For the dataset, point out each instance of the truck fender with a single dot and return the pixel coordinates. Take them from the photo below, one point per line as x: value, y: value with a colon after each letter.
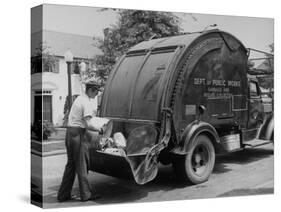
x: 192, y: 131
x: 267, y: 129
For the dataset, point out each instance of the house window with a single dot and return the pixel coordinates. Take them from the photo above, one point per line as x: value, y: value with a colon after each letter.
x: 75, y: 66
x: 36, y: 64
x: 75, y: 69
x: 47, y: 64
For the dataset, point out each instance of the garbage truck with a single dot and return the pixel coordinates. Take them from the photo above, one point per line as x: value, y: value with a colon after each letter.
x: 181, y: 100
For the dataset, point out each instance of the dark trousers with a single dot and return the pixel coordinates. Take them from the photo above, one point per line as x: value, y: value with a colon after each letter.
x: 77, y: 163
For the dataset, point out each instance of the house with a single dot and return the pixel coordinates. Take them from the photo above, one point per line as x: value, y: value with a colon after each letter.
x: 49, y: 79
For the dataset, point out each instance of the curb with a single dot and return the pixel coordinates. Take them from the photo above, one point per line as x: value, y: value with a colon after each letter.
x: 48, y: 142
x: 45, y: 154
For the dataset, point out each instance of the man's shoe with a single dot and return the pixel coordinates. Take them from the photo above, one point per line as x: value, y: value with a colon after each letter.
x: 72, y: 197
x: 91, y: 198
x: 95, y: 197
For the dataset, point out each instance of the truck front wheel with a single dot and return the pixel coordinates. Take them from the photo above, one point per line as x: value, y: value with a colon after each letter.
x: 197, y: 165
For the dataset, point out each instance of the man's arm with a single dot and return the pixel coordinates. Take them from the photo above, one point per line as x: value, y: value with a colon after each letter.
x: 87, y: 120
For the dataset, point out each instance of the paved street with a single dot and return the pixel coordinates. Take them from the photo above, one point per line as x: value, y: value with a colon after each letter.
x: 248, y: 172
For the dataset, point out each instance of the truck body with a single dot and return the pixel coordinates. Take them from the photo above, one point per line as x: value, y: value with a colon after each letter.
x: 182, y: 100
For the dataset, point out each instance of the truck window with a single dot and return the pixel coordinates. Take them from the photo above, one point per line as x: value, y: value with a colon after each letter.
x: 253, y: 89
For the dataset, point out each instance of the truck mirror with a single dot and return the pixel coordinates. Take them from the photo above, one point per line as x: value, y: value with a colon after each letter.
x: 201, y: 109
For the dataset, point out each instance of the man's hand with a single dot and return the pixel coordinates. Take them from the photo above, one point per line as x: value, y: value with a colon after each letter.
x: 89, y: 126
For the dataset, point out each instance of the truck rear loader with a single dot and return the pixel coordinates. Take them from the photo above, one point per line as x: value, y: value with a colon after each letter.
x: 181, y: 100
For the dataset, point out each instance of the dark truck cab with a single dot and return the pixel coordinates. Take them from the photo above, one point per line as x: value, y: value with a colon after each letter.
x: 182, y: 100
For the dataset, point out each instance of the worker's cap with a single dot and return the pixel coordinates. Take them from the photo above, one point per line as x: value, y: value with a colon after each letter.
x: 93, y: 84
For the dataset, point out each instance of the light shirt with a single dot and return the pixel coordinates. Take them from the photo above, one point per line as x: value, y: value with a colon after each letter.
x: 82, y: 107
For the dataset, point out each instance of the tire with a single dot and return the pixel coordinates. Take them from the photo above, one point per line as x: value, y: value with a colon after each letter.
x: 197, y: 165
x: 272, y: 137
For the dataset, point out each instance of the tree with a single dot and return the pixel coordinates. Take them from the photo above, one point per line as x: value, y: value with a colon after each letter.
x: 133, y: 26
x: 267, y: 82
x: 269, y: 63
x: 43, y: 60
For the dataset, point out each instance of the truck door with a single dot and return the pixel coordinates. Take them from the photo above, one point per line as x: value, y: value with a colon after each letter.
x: 256, y: 113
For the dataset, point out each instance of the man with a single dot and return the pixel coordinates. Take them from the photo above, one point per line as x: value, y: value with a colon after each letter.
x: 77, y: 152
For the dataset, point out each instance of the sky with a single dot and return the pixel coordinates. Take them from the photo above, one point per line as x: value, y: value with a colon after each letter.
x: 255, y: 33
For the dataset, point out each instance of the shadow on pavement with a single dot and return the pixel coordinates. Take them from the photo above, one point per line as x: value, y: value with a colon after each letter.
x: 247, y: 192
x: 125, y: 191
x: 242, y: 157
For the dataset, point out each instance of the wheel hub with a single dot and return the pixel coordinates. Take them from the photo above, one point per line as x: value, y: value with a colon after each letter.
x: 199, y: 160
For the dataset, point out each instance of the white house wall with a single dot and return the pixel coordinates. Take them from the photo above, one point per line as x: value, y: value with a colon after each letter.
x: 57, y: 83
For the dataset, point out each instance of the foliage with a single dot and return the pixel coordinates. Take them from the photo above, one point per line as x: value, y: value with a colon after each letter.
x: 267, y: 82
x: 42, y: 130
x: 133, y: 26
x: 43, y: 60
x: 269, y: 63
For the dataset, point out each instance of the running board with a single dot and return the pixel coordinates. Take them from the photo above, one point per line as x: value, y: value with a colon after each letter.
x: 256, y: 142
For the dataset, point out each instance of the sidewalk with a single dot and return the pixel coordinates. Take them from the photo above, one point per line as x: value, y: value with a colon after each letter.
x: 53, y: 146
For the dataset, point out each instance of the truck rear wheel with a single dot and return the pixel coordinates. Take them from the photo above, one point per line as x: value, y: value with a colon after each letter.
x: 197, y: 165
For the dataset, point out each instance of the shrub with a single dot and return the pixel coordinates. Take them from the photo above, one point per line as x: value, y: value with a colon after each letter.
x: 42, y: 131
